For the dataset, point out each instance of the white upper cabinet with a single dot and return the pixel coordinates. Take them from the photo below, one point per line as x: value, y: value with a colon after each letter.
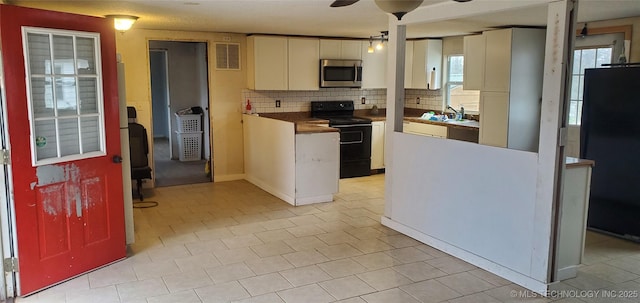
x: 304, y: 58
x: 267, y: 63
x: 340, y: 49
x: 281, y: 63
x: 427, y: 55
x: 374, y: 67
x: 408, y: 62
x: 473, y: 62
x: 512, y: 88
x: 497, y: 60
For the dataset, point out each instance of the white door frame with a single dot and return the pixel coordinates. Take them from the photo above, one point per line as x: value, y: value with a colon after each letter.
x: 8, y: 243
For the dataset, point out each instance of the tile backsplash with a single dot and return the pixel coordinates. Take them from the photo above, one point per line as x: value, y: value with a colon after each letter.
x: 300, y: 101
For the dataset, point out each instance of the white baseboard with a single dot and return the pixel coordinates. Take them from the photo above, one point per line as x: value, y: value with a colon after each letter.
x: 504, y: 272
x: 224, y: 178
x: 314, y: 199
x: 567, y: 272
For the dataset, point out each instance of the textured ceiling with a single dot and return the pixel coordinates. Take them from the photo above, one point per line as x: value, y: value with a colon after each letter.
x: 316, y: 18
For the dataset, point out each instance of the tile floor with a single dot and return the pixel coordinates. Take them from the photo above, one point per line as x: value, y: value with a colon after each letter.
x: 232, y: 242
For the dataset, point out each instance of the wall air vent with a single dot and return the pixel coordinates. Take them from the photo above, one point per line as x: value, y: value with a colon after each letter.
x: 228, y: 56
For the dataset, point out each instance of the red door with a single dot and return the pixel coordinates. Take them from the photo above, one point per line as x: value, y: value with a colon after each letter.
x: 63, y: 127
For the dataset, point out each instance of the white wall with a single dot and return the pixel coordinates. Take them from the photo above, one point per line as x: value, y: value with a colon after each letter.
x: 269, y: 157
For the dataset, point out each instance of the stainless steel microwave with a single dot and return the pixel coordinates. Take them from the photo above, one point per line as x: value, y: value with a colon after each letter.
x: 340, y: 73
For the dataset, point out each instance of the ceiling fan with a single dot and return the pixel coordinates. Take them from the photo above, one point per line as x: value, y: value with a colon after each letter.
x: 396, y: 7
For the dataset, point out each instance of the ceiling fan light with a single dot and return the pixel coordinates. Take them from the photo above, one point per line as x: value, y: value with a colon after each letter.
x: 398, y: 7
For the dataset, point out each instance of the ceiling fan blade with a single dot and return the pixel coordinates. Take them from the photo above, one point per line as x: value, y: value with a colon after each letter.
x: 341, y: 3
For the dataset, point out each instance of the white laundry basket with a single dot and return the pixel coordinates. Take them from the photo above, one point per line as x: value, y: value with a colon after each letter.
x: 190, y: 146
x: 188, y: 123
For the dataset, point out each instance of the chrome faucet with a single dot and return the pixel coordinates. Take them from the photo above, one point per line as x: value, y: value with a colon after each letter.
x: 453, y: 109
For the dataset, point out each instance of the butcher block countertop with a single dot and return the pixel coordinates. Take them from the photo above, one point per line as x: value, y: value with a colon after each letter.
x: 575, y: 162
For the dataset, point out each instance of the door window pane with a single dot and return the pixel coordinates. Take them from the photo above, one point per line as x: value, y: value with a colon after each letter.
x: 87, y: 87
x: 39, y: 54
x: 583, y: 59
x: 65, y: 99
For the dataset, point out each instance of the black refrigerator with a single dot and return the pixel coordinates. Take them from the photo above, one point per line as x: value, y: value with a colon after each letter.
x: 610, y: 135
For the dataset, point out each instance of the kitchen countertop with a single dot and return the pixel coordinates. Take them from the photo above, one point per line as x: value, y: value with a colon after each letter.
x: 575, y: 162
x: 305, y: 124
x: 413, y: 115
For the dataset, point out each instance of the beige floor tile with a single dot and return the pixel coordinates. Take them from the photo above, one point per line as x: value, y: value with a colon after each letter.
x: 187, y: 296
x: 305, y: 230
x: 266, y: 298
x: 219, y: 222
x: 365, y: 233
x: 339, y: 251
x: 305, y: 243
x: 430, y: 291
x: 305, y: 210
x: 197, y: 262
x: 384, y: 279
x: 270, y: 249
x: 475, y: 298
x: 235, y: 255
x: 274, y: 235
x: 305, y: 275
x: 241, y: 241
x: 279, y: 214
x: 409, y: 255
x: 395, y: 295
x: 206, y: 246
x: 399, y: 241
x: 629, y: 264
x: 586, y: 281
x: 465, y: 283
x: 610, y: 273
x: 250, y: 218
x: 419, y: 271
x: 178, y: 239
x: 489, y: 277
x: 342, y: 268
x: 305, y: 258
x: 515, y: 293
x: 371, y: 245
x: 450, y: 265
x: 187, y: 280
x: 265, y: 284
x: 111, y: 276
x: 308, y: 294
x: 305, y: 220
x: 268, y: 265
x: 352, y: 300
x: 107, y: 294
x: 214, y: 234
x: 277, y: 224
x: 362, y: 222
x: 167, y: 253
x: 230, y: 272
x: 156, y: 269
x: 221, y: 293
x: 334, y: 226
x: 430, y: 250
x: 142, y: 289
x: 331, y: 216
x: 346, y: 287
x: 337, y: 237
x: 376, y: 261
x: 49, y: 298
x: 246, y: 228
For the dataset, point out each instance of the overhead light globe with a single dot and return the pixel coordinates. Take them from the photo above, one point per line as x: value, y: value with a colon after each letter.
x: 398, y: 8
x: 122, y: 23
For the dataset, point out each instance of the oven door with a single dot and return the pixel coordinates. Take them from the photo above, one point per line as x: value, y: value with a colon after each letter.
x: 355, y: 150
x: 340, y: 73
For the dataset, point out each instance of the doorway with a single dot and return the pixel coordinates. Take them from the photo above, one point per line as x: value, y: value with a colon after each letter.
x: 180, y: 111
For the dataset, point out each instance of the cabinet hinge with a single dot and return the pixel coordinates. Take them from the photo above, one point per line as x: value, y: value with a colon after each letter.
x: 4, y: 157
x: 10, y: 264
x: 563, y: 136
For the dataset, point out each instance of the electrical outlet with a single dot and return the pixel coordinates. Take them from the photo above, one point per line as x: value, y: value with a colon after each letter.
x: 363, y: 100
x: 417, y: 100
x: 277, y: 103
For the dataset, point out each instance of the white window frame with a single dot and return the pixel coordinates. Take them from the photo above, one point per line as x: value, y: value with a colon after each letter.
x: 99, y: 97
x: 449, y: 84
x: 579, y: 101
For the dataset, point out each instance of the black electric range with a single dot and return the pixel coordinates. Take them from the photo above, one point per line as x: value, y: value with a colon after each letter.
x: 355, y: 135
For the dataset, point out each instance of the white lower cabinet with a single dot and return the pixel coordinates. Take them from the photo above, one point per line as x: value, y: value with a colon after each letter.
x: 425, y: 129
x: 377, y: 145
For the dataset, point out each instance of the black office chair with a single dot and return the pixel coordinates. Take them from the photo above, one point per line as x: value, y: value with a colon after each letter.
x: 138, y: 151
